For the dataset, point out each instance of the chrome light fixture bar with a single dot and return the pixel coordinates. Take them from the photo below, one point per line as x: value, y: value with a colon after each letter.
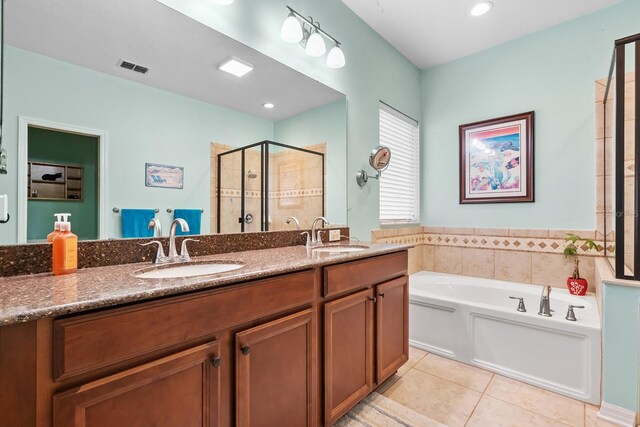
x: 304, y: 30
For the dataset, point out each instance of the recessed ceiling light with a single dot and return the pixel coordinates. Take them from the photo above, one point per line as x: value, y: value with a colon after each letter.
x: 268, y: 105
x: 481, y: 8
x: 236, y: 66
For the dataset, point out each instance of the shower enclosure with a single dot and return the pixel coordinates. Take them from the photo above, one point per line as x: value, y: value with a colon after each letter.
x: 261, y: 185
x: 620, y: 145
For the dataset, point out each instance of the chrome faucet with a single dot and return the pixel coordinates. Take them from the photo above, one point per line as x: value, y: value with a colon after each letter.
x: 156, y: 226
x: 295, y: 220
x: 173, y: 253
x: 545, y: 306
x: 173, y: 256
x: 316, y: 238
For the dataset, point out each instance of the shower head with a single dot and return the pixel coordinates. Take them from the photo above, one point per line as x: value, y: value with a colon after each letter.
x: 251, y: 174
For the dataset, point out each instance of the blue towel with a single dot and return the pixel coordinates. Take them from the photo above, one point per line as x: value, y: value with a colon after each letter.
x: 193, y: 218
x: 135, y: 222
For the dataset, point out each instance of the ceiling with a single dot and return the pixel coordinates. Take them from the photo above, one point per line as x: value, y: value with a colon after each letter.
x: 433, y: 32
x: 183, y: 55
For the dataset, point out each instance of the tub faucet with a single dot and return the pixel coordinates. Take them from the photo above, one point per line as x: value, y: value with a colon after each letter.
x: 173, y: 253
x: 545, y: 306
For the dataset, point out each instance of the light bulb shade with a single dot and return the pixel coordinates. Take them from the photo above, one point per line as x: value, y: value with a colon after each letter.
x: 291, y: 29
x: 315, y: 45
x: 335, y: 59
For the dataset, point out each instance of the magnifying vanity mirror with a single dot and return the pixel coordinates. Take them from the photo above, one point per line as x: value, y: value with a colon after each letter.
x: 117, y: 109
x: 379, y: 159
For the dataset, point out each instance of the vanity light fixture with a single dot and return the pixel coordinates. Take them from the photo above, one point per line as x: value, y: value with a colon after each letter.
x: 298, y: 29
x: 268, y: 105
x: 481, y: 8
x: 236, y: 67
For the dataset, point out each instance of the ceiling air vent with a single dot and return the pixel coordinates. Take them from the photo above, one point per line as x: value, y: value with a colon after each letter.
x: 134, y: 67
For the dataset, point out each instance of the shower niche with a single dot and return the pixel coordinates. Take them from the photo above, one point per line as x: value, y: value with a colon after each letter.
x: 258, y: 186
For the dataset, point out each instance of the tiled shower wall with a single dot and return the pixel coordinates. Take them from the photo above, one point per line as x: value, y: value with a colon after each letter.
x: 296, y: 179
x: 295, y: 188
x: 519, y: 255
x: 605, y: 154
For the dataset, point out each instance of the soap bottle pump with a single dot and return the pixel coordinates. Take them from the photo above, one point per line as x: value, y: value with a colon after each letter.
x: 65, y: 249
x: 56, y: 228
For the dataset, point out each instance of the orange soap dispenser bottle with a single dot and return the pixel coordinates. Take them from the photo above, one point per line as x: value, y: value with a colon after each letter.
x: 56, y: 227
x: 65, y: 249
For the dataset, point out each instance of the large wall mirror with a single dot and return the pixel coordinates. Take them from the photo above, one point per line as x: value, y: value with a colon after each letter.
x: 116, y: 111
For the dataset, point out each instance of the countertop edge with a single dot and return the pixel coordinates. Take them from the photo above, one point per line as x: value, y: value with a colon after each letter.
x: 180, y: 289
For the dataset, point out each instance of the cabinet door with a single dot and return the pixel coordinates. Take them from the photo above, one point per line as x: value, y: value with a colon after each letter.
x: 392, y: 327
x: 348, y: 346
x: 276, y: 372
x: 179, y: 390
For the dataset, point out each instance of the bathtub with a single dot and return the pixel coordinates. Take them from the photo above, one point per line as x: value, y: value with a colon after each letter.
x: 472, y: 320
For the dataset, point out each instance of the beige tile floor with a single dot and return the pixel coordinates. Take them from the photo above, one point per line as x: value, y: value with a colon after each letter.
x: 456, y: 394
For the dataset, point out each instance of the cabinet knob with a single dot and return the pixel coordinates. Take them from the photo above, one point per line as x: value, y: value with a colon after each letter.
x: 245, y: 349
x: 216, y: 361
x: 373, y: 299
x: 381, y: 294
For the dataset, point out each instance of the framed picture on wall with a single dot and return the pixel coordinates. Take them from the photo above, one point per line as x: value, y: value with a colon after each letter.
x: 496, y: 160
x: 164, y: 176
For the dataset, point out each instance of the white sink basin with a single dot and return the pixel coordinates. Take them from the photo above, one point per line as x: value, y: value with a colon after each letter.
x: 339, y: 249
x: 189, y: 270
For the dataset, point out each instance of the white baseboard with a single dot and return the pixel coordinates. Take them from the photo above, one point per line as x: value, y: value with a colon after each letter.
x: 617, y: 415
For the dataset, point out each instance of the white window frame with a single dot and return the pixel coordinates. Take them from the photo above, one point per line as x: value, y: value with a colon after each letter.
x: 401, y: 134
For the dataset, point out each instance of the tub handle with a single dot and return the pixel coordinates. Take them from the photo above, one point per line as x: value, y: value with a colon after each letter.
x: 571, y: 316
x: 521, y: 307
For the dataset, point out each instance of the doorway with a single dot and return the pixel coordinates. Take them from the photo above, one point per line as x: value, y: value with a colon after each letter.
x: 61, y: 170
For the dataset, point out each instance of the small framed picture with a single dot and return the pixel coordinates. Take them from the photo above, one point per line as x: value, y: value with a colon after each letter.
x: 164, y: 176
x: 496, y: 160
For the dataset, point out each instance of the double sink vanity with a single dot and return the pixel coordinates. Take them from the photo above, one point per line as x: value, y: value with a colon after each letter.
x: 284, y: 336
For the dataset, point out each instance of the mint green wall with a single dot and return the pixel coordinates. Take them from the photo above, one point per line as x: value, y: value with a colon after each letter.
x: 323, y: 124
x: 551, y: 72
x: 71, y: 149
x: 620, y: 370
x: 375, y: 71
x: 143, y: 125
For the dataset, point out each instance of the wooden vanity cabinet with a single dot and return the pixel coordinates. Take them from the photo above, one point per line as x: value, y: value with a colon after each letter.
x: 366, y: 333
x: 277, y: 372
x: 392, y: 327
x: 348, y: 353
x: 298, y: 349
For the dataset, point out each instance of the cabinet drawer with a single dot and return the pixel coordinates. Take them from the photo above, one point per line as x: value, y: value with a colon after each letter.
x: 357, y: 274
x: 87, y: 342
x: 178, y: 390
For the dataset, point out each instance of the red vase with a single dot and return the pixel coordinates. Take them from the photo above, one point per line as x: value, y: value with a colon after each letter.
x: 577, y: 286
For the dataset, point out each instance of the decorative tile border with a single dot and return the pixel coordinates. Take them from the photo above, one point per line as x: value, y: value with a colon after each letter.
x: 480, y: 241
x: 256, y: 194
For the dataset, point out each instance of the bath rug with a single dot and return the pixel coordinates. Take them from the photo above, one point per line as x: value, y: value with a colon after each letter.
x: 378, y: 411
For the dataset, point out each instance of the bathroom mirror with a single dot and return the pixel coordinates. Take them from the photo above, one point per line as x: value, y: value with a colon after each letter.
x: 379, y: 158
x: 112, y: 106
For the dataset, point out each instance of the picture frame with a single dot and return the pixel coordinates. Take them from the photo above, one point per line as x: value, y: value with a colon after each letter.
x: 496, y: 160
x: 163, y: 176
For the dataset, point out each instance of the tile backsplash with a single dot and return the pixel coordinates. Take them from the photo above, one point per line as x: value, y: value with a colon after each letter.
x: 521, y: 255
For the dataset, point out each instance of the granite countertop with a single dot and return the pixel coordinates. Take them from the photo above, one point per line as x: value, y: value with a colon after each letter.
x: 26, y: 298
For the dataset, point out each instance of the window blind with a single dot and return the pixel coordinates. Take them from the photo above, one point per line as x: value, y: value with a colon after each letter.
x: 400, y: 183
